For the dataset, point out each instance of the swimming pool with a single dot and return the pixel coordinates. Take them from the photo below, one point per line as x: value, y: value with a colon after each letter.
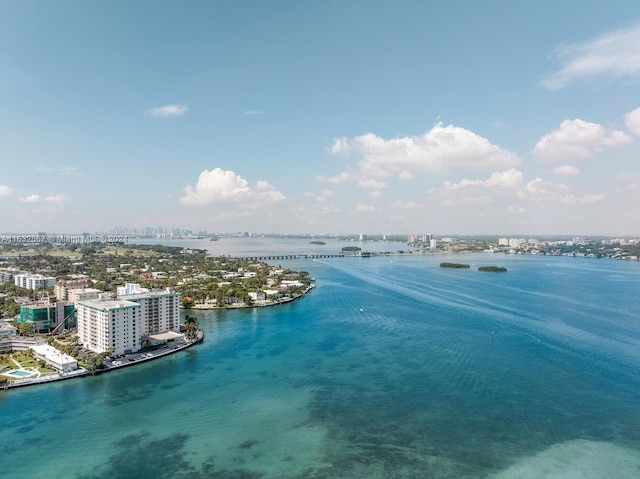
x: 19, y: 374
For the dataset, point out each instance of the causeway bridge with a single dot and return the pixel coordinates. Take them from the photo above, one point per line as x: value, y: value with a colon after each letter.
x: 290, y: 256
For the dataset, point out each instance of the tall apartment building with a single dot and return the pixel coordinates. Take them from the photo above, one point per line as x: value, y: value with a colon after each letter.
x: 33, y: 281
x: 159, y: 310
x: 105, y: 324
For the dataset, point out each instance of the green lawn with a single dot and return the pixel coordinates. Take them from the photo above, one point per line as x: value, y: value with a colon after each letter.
x: 25, y: 361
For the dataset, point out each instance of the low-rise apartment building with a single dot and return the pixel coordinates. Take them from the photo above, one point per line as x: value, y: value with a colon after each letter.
x: 47, y: 314
x: 33, y: 281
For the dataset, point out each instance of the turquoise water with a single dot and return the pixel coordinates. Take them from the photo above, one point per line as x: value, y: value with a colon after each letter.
x: 19, y: 374
x: 390, y: 367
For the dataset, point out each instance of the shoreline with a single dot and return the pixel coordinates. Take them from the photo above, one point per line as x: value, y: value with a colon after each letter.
x: 206, y: 307
x: 140, y: 357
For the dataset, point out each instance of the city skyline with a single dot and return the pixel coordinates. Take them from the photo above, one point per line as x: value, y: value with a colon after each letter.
x: 487, y: 118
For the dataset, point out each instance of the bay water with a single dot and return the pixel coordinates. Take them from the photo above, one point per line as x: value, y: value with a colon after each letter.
x: 390, y: 367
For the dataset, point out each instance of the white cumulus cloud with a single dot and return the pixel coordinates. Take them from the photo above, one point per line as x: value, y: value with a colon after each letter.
x: 615, y: 54
x: 53, y: 199
x: 511, y: 178
x: 576, y: 140
x: 632, y: 120
x: 371, y: 184
x: 508, y: 187
x: 468, y: 192
x: 30, y: 199
x: 441, y: 149
x: 589, y: 199
x: 220, y: 186
x: 5, y: 190
x: 406, y: 205
x: 168, y: 111
x: 405, y: 175
x: 339, y: 146
x: 360, y: 208
x: 538, y: 190
x: 566, y: 170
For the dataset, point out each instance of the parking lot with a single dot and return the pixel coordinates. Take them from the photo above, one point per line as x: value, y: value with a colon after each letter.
x: 146, y: 355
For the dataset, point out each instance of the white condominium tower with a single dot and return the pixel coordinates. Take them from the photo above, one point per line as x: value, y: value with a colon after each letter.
x: 105, y: 324
x: 159, y: 310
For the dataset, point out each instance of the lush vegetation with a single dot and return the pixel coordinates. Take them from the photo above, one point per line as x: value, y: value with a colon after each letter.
x: 222, y: 281
x: 351, y: 249
x: 191, y: 323
x: 493, y: 269
x: 454, y: 265
x: 26, y: 359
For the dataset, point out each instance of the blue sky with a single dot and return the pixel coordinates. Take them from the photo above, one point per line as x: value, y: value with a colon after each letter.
x: 468, y: 117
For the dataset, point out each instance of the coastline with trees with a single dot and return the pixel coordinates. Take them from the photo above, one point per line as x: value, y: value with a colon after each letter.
x: 203, y: 281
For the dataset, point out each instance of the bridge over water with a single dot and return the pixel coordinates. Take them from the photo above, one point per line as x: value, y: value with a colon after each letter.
x: 289, y: 256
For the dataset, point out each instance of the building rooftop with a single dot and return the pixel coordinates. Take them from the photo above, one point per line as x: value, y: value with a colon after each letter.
x: 53, y: 354
x: 150, y: 294
x: 108, y: 304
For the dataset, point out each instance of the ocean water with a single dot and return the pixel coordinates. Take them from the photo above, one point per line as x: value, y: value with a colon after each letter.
x: 390, y: 368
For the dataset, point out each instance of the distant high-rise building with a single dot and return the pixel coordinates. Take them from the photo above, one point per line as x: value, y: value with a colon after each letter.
x: 130, y: 288
x: 515, y: 242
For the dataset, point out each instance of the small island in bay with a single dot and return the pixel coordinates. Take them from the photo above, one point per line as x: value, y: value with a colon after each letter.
x: 454, y: 265
x: 493, y: 269
x: 317, y: 242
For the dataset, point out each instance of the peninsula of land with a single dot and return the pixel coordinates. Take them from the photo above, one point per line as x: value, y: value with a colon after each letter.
x: 70, y: 311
